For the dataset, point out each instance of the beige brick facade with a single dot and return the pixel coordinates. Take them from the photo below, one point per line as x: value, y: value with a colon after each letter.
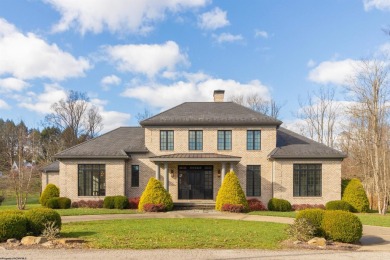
x: 50, y: 177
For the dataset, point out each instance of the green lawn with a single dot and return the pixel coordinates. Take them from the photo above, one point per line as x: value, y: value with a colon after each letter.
x: 177, y: 233
x: 10, y: 200
x: 289, y: 214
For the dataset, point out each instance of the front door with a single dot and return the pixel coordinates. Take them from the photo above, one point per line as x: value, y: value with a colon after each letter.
x: 195, y: 182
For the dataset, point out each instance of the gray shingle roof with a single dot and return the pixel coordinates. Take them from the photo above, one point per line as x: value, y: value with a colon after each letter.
x: 114, y: 144
x: 53, y: 167
x: 290, y: 145
x: 210, y: 114
x: 195, y: 157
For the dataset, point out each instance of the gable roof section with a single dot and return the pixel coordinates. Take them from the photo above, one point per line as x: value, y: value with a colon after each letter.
x: 210, y: 114
x: 114, y: 144
x: 290, y: 145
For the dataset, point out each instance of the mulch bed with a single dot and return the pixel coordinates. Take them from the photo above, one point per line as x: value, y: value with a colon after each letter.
x: 329, y: 246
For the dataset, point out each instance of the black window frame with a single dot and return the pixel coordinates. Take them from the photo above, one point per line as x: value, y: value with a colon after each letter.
x: 195, y: 141
x: 224, y: 143
x: 167, y: 144
x: 134, y: 175
x: 253, y: 180
x: 251, y: 143
x: 307, y: 180
x: 83, y: 170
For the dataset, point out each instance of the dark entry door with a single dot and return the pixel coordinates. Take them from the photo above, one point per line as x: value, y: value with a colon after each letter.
x: 195, y: 182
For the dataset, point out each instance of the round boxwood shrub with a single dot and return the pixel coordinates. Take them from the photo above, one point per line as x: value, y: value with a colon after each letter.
x: 109, y: 202
x: 275, y: 204
x: 50, y: 191
x: 338, y: 205
x: 12, y: 225
x: 355, y: 195
x: 38, y: 217
x: 231, y: 192
x: 315, y: 217
x: 52, y: 203
x: 64, y: 202
x: 121, y: 202
x: 342, y: 226
x: 155, y: 193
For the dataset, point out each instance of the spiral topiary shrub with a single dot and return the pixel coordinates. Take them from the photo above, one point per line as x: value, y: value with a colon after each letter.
x: 121, y: 202
x: 52, y: 203
x: 342, y: 226
x: 37, y: 219
x: 12, y: 225
x: 231, y: 192
x: 155, y: 193
x: 355, y: 195
x: 275, y: 204
x: 315, y: 217
x: 50, y: 191
x: 338, y: 205
x: 64, y: 203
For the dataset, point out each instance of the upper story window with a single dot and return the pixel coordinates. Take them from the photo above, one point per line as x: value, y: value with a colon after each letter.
x: 307, y: 180
x: 195, y: 140
x: 253, y: 138
x: 91, y: 180
x: 224, y: 139
x: 166, y: 140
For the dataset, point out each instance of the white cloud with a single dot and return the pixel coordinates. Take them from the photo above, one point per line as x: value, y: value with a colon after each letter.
x: 148, y: 59
x: 4, y: 105
x: 26, y: 56
x: 166, y: 96
x: 111, y: 119
x: 262, y: 34
x: 334, y: 72
x: 383, y: 5
x: 214, y: 19
x: 108, y: 81
x: 227, y: 37
x: 12, y: 84
x: 134, y: 16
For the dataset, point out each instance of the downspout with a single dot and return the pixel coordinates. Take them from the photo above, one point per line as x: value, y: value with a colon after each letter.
x: 273, y: 177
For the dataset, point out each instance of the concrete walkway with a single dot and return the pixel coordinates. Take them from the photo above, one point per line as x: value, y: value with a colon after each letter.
x: 374, y: 238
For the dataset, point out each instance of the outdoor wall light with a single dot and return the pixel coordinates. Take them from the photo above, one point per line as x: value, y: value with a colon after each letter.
x: 219, y: 173
x: 172, y: 173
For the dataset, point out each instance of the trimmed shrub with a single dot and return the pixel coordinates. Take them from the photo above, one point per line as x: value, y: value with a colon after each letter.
x: 64, y: 202
x: 155, y: 193
x: 38, y: 217
x: 52, y: 203
x: 50, y: 191
x: 231, y: 192
x: 87, y: 204
x: 255, y: 205
x: 275, y: 204
x: 344, y: 183
x: 12, y: 225
x: 109, y: 202
x: 342, y: 226
x: 301, y: 230
x: 121, y: 202
x: 150, y: 207
x: 355, y: 195
x: 133, y: 203
x: 339, y: 205
x: 296, y: 207
x: 315, y: 217
x: 234, y: 208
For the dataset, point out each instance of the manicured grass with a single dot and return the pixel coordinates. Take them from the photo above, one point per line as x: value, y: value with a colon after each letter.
x: 177, y: 233
x: 289, y: 214
x: 11, y: 200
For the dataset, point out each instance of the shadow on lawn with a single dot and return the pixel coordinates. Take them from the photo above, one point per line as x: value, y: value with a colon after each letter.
x: 77, y: 234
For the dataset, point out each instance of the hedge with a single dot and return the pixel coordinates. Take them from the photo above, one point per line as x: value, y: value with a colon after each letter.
x: 12, y: 225
x: 342, y: 226
x: 50, y: 191
x: 231, y: 192
x: 121, y: 202
x: 355, y: 195
x: 338, y: 205
x: 275, y: 204
x: 155, y: 193
x: 38, y: 217
x: 64, y: 202
x: 315, y: 217
x: 109, y: 202
x: 52, y: 203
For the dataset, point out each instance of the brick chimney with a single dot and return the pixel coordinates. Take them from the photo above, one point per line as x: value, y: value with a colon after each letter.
x: 219, y: 95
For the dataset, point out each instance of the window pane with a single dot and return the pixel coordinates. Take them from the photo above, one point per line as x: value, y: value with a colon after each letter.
x: 134, y: 176
x: 221, y: 140
x: 163, y: 138
x: 307, y: 180
x: 228, y: 140
x: 91, y: 180
x: 249, y: 140
x: 253, y: 180
x: 199, y: 140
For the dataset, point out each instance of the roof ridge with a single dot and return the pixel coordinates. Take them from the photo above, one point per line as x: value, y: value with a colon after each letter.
x: 252, y: 110
x: 161, y: 113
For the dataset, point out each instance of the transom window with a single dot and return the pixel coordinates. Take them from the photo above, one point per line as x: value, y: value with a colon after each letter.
x: 195, y: 140
x: 166, y: 140
x: 307, y: 180
x: 224, y: 139
x: 134, y: 175
x: 253, y: 180
x: 253, y: 140
x: 91, y: 180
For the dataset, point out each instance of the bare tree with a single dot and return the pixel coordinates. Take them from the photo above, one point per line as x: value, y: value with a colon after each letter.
x: 369, y: 117
x: 319, y: 113
x: 259, y: 104
x: 75, y: 115
x: 144, y: 115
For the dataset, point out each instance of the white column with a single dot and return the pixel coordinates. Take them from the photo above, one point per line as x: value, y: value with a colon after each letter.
x: 166, y: 177
x: 231, y: 167
x: 223, y: 171
x: 158, y: 171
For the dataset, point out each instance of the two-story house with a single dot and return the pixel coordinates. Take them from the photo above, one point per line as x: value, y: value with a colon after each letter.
x: 191, y: 147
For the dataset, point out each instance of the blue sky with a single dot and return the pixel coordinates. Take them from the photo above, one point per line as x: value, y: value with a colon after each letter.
x: 130, y: 55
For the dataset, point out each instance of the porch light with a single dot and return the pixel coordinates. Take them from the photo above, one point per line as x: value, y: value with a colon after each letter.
x: 219, y: 173
x: 172, y: 173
